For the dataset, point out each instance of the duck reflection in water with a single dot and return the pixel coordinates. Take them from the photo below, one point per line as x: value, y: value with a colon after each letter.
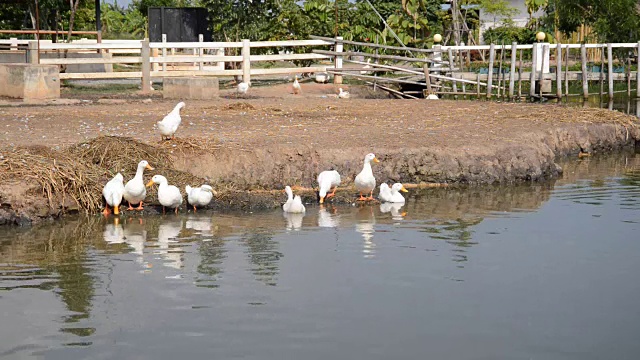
x: 394, y: 209
x: 135, y: 235
x: 294, y: 220
x: 327, y: 217
x: 168, y: 233
x: 113, y: 233
x: 365, y: 224
x: 199, y: 223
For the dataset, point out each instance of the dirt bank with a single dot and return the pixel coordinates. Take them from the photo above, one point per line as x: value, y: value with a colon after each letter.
x: 249, y: 149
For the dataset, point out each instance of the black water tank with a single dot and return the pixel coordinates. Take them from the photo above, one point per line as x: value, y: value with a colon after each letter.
x: 180, y: 24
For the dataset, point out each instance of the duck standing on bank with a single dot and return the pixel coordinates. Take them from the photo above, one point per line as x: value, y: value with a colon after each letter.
x: 243, y: 87
x: 343, y: 94
x: 169, y: 125
x: 327, y: 180
x: 168, y: 195
x: 296, y: 86
x: 392, y: 194
x: 199, y: 196
x: 365, y: 182
x: 113, y: 192
x: 293, y: 204
x: 134, y: 190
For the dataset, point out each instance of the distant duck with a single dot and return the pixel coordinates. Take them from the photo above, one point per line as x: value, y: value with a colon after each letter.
x: 293, y: 204
x: 392, y: 194
x: 343, y: 94
x: 322, y: 77
x: 113, y: 192
x: 169, y: 125
x: 134, y: 190
x: 363, y: 72
x: 243, y: 87
x: 296, y: 86
x: 168, y: 195
x: 327, y: 180
x: 432, y: 97
x: 365, y: 181
x: 199, y: 196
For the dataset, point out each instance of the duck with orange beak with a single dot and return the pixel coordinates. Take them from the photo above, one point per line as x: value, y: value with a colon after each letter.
x: 134, y: 190
x: 168, y: 195
x: 365, y: 182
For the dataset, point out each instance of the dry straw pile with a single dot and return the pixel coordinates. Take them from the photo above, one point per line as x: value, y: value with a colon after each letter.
x: 80, y: 171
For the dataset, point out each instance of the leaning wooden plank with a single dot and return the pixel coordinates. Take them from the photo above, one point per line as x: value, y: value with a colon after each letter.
x: 281, y: 57
x: 115, y: 60
x: 109, y: 75
x: 195, y: 45
x: 194, y: 58
x: 398, y: 48
x: 375, y: 56
x: 296, y: 70
x: 377, y: 78
x: 375, y: 66
x: 291, y: 43
x: 395, y: 92
x: 196, y: 73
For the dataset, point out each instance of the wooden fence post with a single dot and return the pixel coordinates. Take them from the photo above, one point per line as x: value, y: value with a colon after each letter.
x: 337, y: 62
x: 566, y: 73
x: 427, y: 78
x: 543, y: 64
x: 451, y: 66
x: 145, y: 53
x: 14, y: 44
x: 512, y: 72
x: 601, y: 78
x: 492, y: 55
x: 610, y: 69
x: 559, y: 71
x: 32, y: 52
x: 246, y: 61
x: 638, y: 75
x: 585, y: 76
x: 164, y: 51
x: 534, y: 65
x: 201, y: 52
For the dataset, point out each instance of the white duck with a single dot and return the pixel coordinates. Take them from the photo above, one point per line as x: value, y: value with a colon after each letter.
x: 322, y: 77
x: 392, y: 194
x: 169, y: 125
x: 134, y: 190
x: 365, y: 181
x: 432, y: 97
x: 343, y: 94
x: 168, y: 195
x: 293, y: 205
x: 296, y: 86
x: 199, y: 196
x: 113, y: 192
x: 326, y: 180
x: 243, y: 87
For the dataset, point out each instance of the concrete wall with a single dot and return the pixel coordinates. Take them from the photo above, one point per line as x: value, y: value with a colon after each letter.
x: 30, y: 82
x: 201, y: 88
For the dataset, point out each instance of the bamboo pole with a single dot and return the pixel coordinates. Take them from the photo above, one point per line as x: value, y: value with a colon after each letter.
x: 638, y: 75
x: 337, y: 79
x: 427, y: 78
x: 500, y: 74
x: 490, y: 78
x: 512, y: 71
x: 585, y: 80
x: 610, y: 69
x: 520, y: 76
x: 478, y: 86
x: 545, y: 53
x: 246, y: 61
x: 451, y: 66
x: 601, y: 77
x: 628, y: 78
x: 566, y: 73
x: 532, y: 77
x: 559, y: 71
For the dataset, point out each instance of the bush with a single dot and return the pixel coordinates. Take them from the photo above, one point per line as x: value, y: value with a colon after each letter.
x: 509, y: 33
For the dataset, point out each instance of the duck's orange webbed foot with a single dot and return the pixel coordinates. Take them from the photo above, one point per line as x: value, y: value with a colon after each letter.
x: 140, y: 206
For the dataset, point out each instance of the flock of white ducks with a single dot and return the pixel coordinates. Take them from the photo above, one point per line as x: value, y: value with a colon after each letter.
x: 169, y: 196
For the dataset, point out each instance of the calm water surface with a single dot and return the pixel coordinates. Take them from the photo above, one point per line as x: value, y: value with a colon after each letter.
x: 546, y: 271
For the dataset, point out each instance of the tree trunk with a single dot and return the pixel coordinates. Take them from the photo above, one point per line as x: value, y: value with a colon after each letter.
x: 74, y: 7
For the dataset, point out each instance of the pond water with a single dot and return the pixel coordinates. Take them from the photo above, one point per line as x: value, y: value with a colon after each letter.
x: 540, y: 271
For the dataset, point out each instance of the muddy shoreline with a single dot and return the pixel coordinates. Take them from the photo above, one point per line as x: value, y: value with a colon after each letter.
x: 256, y: 151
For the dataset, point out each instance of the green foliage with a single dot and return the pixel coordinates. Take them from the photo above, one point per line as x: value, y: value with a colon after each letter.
x: 509, y: 33
x: 611, y: 20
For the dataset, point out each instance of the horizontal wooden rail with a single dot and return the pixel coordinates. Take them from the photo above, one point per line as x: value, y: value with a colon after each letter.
x: 285, y: 43
x: 194, y: 45
x: 101, y: 46
x: 281, y: 57
x: 105, y: 75
x: 97, y: 60
x: 194, y: 58
x: 48, y: 32
x: 387, y: 47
